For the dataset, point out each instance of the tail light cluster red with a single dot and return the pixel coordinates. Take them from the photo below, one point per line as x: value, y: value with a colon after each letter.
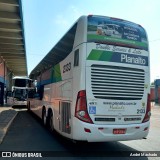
x: 81, y: 107
x: 148, y: 111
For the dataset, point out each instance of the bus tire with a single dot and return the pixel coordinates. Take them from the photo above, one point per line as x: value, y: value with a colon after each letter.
x: 28, y: 106
x: 44, y: 117
x: 50, y: 121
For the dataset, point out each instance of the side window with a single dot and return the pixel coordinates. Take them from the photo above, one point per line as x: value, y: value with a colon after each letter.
x: 41, y: 92
x: 76, y: 58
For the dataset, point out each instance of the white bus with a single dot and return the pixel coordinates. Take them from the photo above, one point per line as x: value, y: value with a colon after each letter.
x: 93, y: 87
x: 19, y: 94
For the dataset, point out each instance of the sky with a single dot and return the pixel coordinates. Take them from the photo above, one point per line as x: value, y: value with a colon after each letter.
x: 46, y: 21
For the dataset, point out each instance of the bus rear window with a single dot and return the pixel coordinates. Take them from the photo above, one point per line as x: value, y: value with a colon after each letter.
x: 116, y: 32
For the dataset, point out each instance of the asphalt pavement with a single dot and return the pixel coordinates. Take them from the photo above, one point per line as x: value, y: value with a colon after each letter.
x: 7, y: 115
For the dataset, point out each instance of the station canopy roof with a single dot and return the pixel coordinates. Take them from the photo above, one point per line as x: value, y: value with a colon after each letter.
x: 12, y: 41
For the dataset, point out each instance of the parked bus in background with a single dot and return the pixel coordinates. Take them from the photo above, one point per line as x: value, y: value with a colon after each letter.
x: 18, y: 95
x: 95, y: 87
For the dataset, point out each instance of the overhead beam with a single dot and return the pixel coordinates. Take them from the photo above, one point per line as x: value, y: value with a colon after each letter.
x: 11, y: 50
x: 18, y: 67
x: 16, y: 61
x: 10, y: 2
x: 9, y: 15
x: 10, y: 46
x: 20, y: 73
x: 11, y: 35
x: 11, y: 41
x: 22, y: 68
x: 12, y: 55
x: 17, y: 70
x: 10, y: 27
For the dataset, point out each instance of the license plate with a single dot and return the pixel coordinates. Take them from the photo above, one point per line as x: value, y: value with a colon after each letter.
x: 119, y: 131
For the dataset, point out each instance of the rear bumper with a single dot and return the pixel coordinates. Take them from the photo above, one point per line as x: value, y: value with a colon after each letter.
x: 104, y: 133
x: 19, y: 103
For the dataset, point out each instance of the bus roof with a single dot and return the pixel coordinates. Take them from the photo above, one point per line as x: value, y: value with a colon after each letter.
x: 19, y: 77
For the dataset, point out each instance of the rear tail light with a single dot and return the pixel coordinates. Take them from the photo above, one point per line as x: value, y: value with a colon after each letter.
x: 87, y: 130
x: 148, y: 111
x: 81, y: 107
x: 90, y: 15
x: 146, y: 129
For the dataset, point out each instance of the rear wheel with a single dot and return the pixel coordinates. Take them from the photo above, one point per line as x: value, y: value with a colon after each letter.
x: 44, y: 117
x: 50, y: 121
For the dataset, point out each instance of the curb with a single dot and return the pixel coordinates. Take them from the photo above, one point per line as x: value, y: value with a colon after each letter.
x: 6, y: 118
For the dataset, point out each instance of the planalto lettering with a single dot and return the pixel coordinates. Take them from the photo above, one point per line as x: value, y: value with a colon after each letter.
x: 135, y: 60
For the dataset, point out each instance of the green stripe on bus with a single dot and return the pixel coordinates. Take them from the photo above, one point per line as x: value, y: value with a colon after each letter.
x: 111, y: 39
x: 100, y: 55
x: 56, y: 73
x: 95, y: 55
x: 106, y: 56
